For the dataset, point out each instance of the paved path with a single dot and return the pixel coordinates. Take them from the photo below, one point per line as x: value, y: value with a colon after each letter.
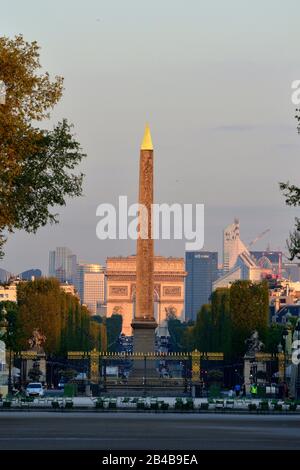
x: 34, y: 430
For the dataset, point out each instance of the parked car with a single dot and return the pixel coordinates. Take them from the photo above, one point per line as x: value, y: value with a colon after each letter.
x: 35, y: 389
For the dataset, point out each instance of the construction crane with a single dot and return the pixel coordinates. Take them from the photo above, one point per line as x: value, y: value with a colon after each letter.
x: 261, y: 235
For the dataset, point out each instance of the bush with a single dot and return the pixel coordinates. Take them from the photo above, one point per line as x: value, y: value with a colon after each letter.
x: 292, y: 406
x: 178, y: 404
x: 261, y: 391
x: 99, y: 404
x: 214, y: 390
x: 6, y: 404
x: 164, y: 406
x: 264, y: 406
x: 69, y: 404
x: 252, y: 407
x: 277, y: 407
x: 112, y: 404
x: 141, y: 405
x: 70, y: 390
x: 154, y: 406
x: 204, y: 406
x: 189, y: 404
x: 55, y: 404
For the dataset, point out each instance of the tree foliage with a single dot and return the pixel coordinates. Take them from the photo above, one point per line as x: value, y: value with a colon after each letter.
x: 221, y: 319
x: 249, y: 310
x: 67, y: 325
x: 36, y: 164
x: 13, y: 333
x: 225, y: 324
x: 202, y: 333
x: 180, y: 338
x: 291, y: 193
x: 274, y: 337
x: 114, y: 329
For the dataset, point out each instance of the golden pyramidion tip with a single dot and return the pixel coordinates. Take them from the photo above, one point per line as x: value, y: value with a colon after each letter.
x: 147, y: 141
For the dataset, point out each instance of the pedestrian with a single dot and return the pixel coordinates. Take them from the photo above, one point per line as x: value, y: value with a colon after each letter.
x: 237, y: 389
x: 253, y: 390
x: 244, y: 390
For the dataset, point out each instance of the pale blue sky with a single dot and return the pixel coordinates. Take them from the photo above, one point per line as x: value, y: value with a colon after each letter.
x: 213, y: 78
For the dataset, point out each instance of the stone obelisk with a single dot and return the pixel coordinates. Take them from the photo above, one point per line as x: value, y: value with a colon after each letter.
x: 144, y: 323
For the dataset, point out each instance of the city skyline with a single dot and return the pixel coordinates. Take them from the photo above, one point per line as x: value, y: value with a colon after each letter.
x: 260, y: 245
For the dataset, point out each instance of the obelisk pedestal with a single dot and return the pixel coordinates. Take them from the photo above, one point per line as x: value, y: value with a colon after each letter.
x: 144, y: 336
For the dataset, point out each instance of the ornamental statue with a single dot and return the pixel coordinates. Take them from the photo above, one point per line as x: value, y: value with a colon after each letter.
x: 253, y: 344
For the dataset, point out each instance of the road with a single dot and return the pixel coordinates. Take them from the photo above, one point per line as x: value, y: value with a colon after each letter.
x: 49, y: 430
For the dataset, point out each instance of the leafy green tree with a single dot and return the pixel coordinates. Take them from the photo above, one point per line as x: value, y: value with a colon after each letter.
x: 212, y: 329
x: 40, y: 308
x: 249, y: 309
x: 114, y: 329
x: 181, y: 339
x: 221, y: 319
x: 231, y: 318
x: 291, y: 193
x: 13, y: 333
x: 36, y: 164
x: 203, y: 329
x: 292, y: 198
x: 97, y: 335
x: 98, y: 332
x: 274, y: 337
x: 67, y: 325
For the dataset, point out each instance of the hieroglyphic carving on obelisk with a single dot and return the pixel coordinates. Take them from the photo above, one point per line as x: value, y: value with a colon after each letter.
x: 144, y: 323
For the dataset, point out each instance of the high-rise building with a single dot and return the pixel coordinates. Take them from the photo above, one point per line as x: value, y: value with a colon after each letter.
x: 30, y: 274
x: 62, y: 264
x: 90, y: 283
x: 270, y: 262
x: 232, y: 245
x: 4, y: 276
x: 202, y: 271
x: 291, y: 270
x: 245, y: 268
x: 51, y: 270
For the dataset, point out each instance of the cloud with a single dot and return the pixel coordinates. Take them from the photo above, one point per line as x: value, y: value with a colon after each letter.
x: 253, y: 127
x: 235, y: 128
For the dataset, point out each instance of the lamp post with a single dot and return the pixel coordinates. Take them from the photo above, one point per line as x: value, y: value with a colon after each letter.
x: 5, y: 324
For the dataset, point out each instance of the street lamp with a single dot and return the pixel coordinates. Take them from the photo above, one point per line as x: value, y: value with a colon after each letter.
x: 6, y: 326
